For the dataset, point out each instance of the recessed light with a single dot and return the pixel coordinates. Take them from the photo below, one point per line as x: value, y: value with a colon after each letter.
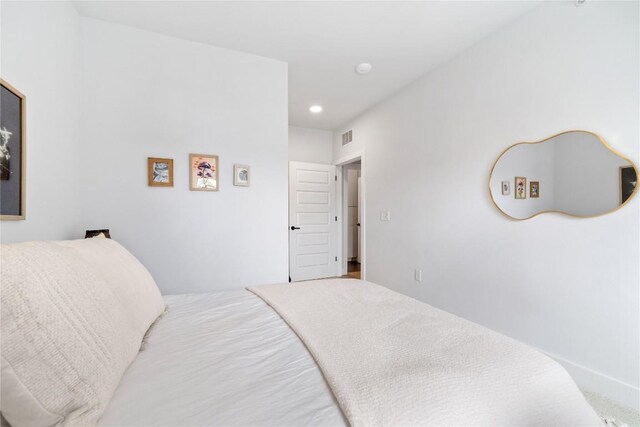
x: 315, y: 108
x: 363, y: 68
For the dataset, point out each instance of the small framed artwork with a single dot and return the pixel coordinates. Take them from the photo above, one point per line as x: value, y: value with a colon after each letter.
x: 506, y: 188
x: 94, y: 233
x: 203, y: 172
x: 628, y: 182
x: 160, y: 172
x: 520, y: 189
x: 534, y: 189
x: 13, y: 114
x: 241, y: 175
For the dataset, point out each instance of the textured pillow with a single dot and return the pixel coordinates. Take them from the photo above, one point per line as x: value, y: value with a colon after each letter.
x: 74, y: 314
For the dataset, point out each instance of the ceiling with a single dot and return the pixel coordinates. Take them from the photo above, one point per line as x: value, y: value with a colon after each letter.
x: 323, y: 41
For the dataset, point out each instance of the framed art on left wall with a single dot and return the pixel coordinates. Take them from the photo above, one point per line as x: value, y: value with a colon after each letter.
x: 159, y: 172
x: 241, y: 175
x: 12, y: 153
x: 203, y: 172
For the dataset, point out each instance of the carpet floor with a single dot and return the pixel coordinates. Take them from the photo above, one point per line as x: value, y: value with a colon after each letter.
x: 620, y: 415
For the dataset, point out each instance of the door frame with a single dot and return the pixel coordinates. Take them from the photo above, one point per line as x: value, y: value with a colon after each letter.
x: 342, y: 207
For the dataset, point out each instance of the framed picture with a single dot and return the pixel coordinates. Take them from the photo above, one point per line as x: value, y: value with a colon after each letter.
x: 534, y: 189
x: 13, y: 113
x: 160, y: 172
x: 203, y: 172
x: 520, y: 189
x: 93, y: 233
x: 628, y: 182
x: 241, y: 175
x: 506, y: 188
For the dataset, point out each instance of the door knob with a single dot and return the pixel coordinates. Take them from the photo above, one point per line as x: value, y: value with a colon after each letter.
x: 358, y: 224
x: 294, y: 228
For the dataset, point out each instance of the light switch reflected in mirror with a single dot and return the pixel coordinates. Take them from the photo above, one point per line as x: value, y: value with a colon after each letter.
x: 576, y: 173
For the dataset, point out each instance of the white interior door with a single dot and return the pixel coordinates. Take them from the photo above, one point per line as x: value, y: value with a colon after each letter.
x: 359, y: 223
x: 312, y: 223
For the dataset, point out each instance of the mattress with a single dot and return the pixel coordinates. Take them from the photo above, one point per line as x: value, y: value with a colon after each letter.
x: 222, y: 359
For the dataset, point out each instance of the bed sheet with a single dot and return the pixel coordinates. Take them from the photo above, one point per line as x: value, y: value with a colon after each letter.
x: 222, y: 359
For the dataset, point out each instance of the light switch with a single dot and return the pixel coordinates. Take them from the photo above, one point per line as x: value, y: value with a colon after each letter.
x: 417, y: 274
x: 385, y: 216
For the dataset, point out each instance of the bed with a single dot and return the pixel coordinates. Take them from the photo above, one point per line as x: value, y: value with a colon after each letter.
x: 114, y: 352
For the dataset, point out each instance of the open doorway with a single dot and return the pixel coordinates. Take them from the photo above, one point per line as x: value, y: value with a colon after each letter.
x: 352, y: 221
x: 353, y: 174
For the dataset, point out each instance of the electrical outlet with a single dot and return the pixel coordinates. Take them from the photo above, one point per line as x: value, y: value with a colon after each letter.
x: 417, y: 275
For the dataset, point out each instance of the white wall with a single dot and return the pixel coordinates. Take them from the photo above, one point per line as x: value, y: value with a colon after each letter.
x: 567, y: 286
x: 101, y: 98
x: 148, y: 95
x: 310, y: 145
x: 353, y: 173
x: 40, y: 56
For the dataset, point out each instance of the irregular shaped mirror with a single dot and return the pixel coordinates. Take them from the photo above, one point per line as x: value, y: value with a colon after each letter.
x: 576, y: 173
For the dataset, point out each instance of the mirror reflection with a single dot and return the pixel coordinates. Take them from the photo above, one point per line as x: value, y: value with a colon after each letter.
x: 574, y: 172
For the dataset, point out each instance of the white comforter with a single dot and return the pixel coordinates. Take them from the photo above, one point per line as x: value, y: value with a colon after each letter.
x: 222, y: 359
x: 230, y: 359
x: 393, y: 360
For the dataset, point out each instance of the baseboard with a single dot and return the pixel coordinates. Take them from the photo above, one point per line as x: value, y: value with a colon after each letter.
x: 604, y: 385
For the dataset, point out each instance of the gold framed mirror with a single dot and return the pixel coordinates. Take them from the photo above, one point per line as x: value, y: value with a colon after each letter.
x: 576, y: 173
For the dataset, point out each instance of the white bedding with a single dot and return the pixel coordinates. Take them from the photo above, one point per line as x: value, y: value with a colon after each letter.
x: 229, y: 359
x: 74, y: 314
x: 222, y: 359
x: 392, y: 360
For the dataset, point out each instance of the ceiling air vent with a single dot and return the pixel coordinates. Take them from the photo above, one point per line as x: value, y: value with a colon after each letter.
x: 347, y: 137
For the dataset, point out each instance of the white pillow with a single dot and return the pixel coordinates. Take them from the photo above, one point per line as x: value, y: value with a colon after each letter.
x: 74, y: 314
